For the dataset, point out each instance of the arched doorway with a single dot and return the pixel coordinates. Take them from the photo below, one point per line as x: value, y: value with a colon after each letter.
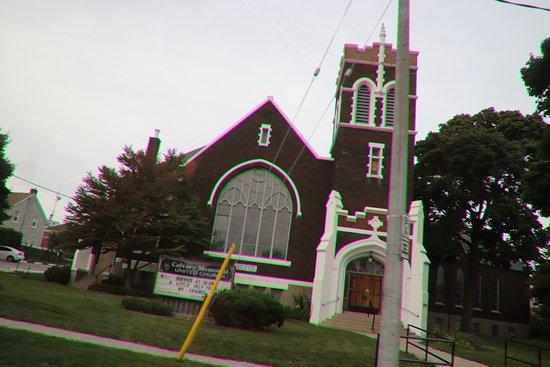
x: 363, y: 287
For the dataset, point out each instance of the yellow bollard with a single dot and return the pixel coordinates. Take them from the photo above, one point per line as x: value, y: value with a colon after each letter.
x: 204, y: 307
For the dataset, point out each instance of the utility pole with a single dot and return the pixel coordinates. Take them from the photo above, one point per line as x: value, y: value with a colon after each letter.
x: 388, y: 353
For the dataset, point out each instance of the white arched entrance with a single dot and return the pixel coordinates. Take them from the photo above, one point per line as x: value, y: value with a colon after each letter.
x: 356, y: 250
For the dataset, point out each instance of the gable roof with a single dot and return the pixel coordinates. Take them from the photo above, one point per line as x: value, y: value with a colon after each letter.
x: 16, y: 197
x: 269, y: 99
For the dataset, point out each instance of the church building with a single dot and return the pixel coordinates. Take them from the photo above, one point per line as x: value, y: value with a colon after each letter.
x: 304, y: 223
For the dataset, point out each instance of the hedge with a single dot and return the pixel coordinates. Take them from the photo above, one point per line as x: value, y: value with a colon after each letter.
x: 147, y: 306
x: 247, y: 309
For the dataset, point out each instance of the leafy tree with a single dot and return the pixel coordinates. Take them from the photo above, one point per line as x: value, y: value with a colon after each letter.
x: 142, y: 210
x: 537, y: 180
x: 536, y: 76
x: 470, y: 176
x: 6, y: 170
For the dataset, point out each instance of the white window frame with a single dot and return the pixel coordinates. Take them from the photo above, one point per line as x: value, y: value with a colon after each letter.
x: 269, y: 192
x: 440, y: 285
x: 34, y: 222
x: 264, y: 135
x: 459, y: 291
x: 371, y: 157
x: 372, y: 103
x: 15, y: 218
x: 495, y: 294
x: 386, y: 89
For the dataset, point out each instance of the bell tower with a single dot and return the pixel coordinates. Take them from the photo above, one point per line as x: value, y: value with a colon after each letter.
x: 363, y: 122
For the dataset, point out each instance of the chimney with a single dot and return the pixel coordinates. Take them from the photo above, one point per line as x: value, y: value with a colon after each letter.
x: 33, y: 191
x: 153, y: 145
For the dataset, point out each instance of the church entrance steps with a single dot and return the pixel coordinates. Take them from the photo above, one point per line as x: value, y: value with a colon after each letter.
x: 354, y: 321
x: 84, y: 282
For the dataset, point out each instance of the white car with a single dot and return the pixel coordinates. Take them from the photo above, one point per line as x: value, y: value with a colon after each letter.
x: 11, y: 254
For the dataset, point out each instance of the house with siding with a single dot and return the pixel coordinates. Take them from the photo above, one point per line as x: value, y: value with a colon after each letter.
x: 27, y: 216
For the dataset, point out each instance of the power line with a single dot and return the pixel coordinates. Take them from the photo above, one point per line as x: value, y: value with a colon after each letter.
x: 315, y: 74
x: 332, y: 98
x: 43, y: 187
x: 523, y: 5
x: 311, y: 135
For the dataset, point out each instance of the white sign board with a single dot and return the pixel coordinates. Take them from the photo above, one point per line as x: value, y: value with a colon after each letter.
x: 189, y: 279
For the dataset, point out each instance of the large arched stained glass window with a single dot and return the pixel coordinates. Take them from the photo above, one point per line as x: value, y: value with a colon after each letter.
x: 254, y: 211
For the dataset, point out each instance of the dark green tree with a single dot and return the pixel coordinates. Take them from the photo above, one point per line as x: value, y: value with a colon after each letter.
x: 537, y: 188
x: 141, y: 210
x: 536, y: 76
x: 470, y: 176
x: 6, y: 170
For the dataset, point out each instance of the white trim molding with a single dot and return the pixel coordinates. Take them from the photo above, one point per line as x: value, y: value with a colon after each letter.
x: 264, y: 135
x: 252, y: 162
x: 372, y: 102
x: 252, y: 259
x: 269, y: 282
x: 371, y: 157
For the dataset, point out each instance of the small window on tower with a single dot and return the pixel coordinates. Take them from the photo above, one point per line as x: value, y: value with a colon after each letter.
x: 376, y: 159
x: 389, y: 107
x: 264, y: 136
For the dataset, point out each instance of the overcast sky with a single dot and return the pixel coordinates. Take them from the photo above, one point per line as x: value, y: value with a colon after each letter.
x: 81, y: 79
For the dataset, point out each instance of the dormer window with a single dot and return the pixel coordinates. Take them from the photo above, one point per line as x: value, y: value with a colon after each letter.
x: 376, y: 160
x: 363, y: 106
x: 264, y: 136
x: 389, y: 107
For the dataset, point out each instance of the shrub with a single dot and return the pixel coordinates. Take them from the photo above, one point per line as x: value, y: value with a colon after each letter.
x: 10, y: 237
x: 109, y: 288
x: 247, y: 309
x: 58, y: 274
x: 465, y: 340
x: 147, y: 306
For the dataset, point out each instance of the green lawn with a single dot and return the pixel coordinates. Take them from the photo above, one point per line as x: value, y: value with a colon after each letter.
x: 23, y: 349
x: 492, y: 352
x: 295, y: 344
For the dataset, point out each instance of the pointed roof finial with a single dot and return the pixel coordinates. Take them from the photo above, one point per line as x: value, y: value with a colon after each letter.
x: 382, y: 33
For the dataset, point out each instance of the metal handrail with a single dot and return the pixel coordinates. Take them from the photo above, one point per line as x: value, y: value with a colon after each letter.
x: 101, y: 271
x: 538, y: 348
x: 425, y: 349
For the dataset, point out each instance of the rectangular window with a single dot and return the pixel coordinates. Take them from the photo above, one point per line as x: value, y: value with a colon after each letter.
x: 264, y: 136
x: 15, y: 217
x: 476, y: 327
x: 34, y: 222
x: 375, y: 160
x: 459, y: 291
x: 494, y: 330
x: 477, y: 295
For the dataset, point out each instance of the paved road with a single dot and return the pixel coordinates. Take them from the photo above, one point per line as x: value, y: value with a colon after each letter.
x: 23, y: 266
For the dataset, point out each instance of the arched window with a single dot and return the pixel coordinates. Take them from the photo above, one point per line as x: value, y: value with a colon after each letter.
x: 389, y: 107
x: 440, y: 285
x: 363, y: 102
x: 254, y: 211
x: 495, y: 293
x: 459, y: 291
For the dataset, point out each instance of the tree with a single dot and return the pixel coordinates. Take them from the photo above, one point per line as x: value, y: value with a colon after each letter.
x: 142, y: 210
x: 470, y: 176
x: 536, y: 76
x: 6, y: 170
x: 537, y: 180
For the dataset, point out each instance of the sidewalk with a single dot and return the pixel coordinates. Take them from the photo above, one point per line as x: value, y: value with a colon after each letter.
x: 119, y: 344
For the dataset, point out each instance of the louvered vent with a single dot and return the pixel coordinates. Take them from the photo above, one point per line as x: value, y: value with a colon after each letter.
x: 390, y: 107
x: 362, y: 107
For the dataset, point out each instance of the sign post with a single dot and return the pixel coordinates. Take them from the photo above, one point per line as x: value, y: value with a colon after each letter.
x: 196, y: 325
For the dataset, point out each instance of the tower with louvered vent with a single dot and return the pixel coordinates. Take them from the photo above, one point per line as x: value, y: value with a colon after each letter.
x: 363, y: 122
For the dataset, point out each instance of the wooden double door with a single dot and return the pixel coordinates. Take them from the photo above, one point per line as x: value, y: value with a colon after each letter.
x: 364, y: 292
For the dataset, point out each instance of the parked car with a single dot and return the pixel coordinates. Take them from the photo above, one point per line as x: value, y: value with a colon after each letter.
x: 11, y: 254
